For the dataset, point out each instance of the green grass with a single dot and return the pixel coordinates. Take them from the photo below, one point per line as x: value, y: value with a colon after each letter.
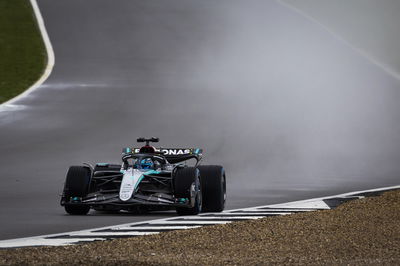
x: 22, y: 52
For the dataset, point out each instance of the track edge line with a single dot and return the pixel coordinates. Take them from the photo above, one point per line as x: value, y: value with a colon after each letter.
x: 50, y: 57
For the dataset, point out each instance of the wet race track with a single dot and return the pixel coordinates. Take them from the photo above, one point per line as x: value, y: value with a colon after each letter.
x: 289, y: 110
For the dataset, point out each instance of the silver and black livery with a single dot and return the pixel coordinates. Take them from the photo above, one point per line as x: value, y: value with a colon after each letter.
x: 148, y: 179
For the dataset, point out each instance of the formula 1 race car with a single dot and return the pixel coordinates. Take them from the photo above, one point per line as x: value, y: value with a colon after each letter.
x: 148, y: 179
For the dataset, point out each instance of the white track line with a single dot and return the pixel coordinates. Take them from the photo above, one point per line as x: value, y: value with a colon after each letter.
x: 319, y: 204
x: 176, y: 223
x: 50, y: 60
x: 136, y: 228
x: 243, y: 214
x: 190, y: 222
x: 309, y: 202
x: 108, y: 234
x: 270, y: 210
x: 220, y: 217
x: 31, y: 242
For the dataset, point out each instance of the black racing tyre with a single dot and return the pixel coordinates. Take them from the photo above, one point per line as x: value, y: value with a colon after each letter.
x: 77, y: 209
x: 187, y: 185
x: 77, y: 185
x: 214, y: 187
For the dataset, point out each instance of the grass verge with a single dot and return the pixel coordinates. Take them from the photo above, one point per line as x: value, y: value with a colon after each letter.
x: 360, y: 232
x: 22, y: 52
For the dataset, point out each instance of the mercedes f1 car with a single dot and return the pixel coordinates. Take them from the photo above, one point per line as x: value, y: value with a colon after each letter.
x: 148, y: 179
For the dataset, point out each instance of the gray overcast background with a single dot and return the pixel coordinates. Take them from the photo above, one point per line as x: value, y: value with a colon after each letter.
x: 290, y: 110
x: 373, y: 26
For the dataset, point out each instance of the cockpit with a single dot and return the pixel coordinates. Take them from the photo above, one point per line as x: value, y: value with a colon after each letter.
x: 144, y: 162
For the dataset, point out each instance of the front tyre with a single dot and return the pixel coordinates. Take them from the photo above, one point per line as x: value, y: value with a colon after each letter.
x: 187, y: 185
x: 76, y: 187
x: 214, y: 187
x: 77, y: 209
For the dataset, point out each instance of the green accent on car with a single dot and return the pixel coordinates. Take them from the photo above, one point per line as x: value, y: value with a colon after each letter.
x: 127, y: 150
x: 137, y: 183
x: 76, y: 199
x: 183, y: 200
x: 152, y: 172
x: 142, y: 176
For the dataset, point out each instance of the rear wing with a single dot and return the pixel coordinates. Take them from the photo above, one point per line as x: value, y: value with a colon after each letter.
x: 172, y: 155
x: 168, y: 151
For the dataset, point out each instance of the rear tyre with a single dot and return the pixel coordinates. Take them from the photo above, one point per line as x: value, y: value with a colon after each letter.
x: 76, y: 186
x: 187, y: 185
x: 214, y: 187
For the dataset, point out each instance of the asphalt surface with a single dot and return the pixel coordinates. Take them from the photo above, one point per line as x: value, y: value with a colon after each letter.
x: 288, y: 109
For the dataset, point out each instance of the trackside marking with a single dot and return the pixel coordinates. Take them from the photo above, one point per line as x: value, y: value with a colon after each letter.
x: 136, y: 228
x: 318, y: 204
x: 259, y: 213
x: 31, y: 242
x: 306, y: 202
x: 186, y: 222
x: 200, y: 218
x: 189, y: 222
x: 98, y: 234
x: 269, y: 210
x: 9, y: 105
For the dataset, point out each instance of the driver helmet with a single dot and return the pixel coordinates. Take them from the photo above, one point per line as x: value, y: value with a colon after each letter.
x: 146, y: 163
